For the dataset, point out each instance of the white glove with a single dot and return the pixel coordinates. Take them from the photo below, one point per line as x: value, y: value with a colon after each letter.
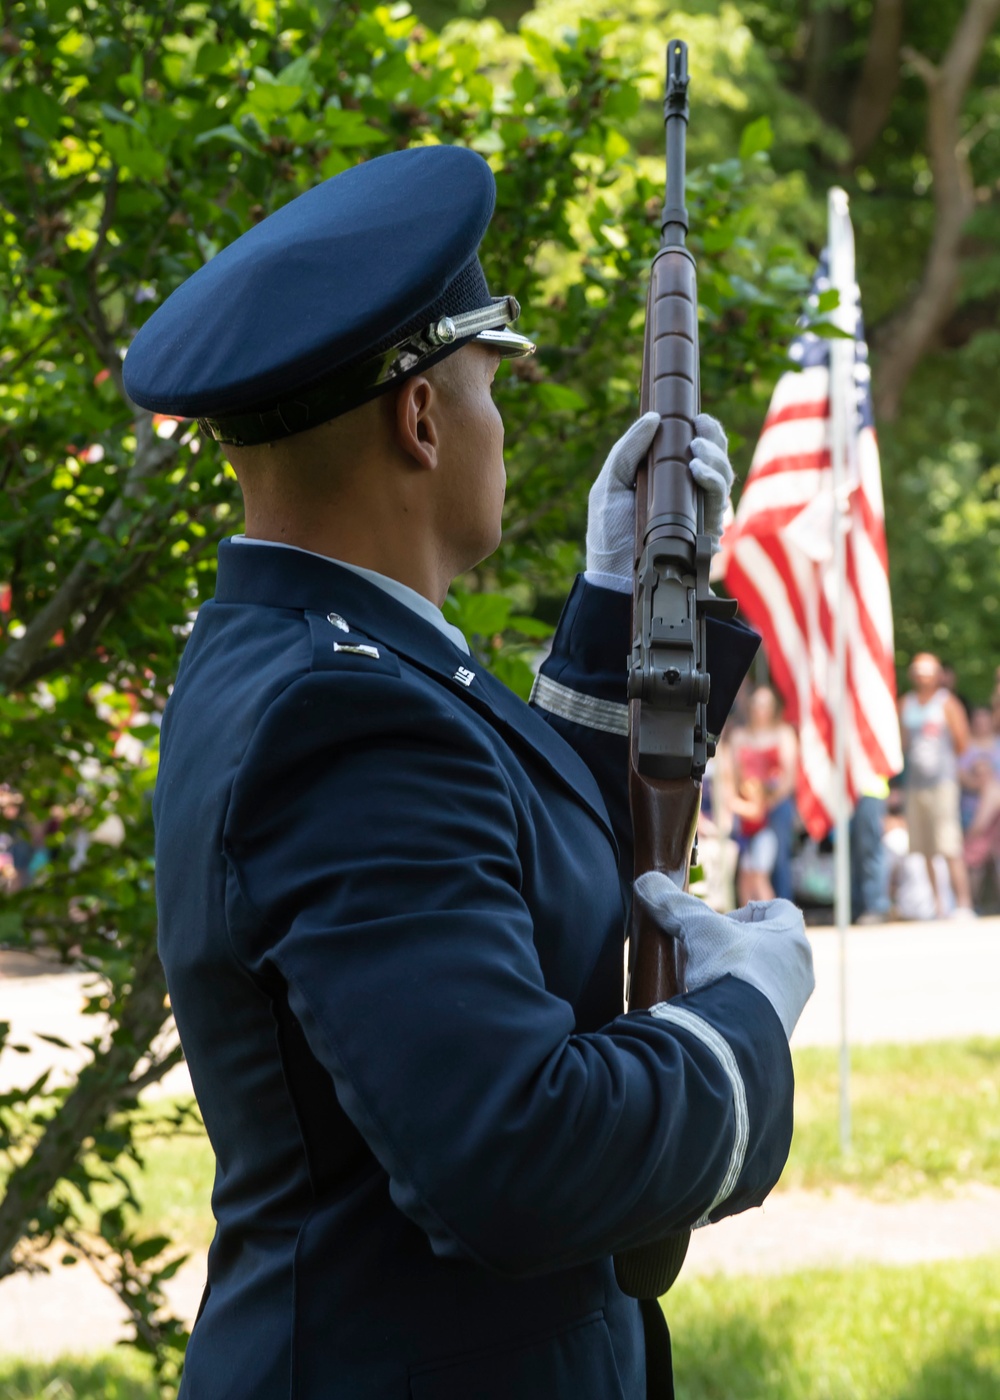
x: 711, y: 469
x: 611, y: 509
x: 763, y: 944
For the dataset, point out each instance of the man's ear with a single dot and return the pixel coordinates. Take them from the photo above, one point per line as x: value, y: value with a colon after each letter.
x: 418, y: 406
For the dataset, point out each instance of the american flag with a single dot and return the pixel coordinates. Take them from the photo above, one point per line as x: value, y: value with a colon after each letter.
x: 778, y: 562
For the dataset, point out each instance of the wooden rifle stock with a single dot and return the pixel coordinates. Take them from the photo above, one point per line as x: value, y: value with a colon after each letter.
x: 668, y: 679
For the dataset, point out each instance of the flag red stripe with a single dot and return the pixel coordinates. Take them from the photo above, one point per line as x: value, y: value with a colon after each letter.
x: 873, y: 526
x: 791, y: 462
x: 793, y: 412
x: 869, y: 632
x: 775, y: 551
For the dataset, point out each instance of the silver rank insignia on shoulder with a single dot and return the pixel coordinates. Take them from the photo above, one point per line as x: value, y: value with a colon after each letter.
x: 464, y: 675
x: 336, y: 620
x: 373, y: 652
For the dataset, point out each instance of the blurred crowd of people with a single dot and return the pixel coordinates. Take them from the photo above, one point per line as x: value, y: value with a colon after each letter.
x: 925, y: 845
x: 30, y: 842
x: 23, y: 841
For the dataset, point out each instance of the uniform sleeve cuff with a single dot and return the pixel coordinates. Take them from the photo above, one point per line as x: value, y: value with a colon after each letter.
x: 614, y: 582
x: 713, y: 1040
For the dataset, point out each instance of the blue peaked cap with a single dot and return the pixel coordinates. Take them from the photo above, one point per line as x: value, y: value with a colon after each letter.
x: 342, y: 293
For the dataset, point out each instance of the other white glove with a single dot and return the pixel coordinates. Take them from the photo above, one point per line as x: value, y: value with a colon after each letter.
x: 611, y: 508
x: 764, y: 943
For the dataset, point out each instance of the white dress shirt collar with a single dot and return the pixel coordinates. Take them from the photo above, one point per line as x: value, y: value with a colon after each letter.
x: 409, y: 597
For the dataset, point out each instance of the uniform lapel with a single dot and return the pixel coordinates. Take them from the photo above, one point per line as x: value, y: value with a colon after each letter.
x: 527, y: 726
x: 286, y: 578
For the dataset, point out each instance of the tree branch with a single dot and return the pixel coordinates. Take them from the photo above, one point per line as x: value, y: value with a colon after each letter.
x: 22, y: 655
x: 876, y: 88
x: 910, y: 333
x: 108, y: 602
x: 107, y: 219
x: 100, y: 1091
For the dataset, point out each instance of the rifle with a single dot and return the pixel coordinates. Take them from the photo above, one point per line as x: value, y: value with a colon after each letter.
x: 668, y: 685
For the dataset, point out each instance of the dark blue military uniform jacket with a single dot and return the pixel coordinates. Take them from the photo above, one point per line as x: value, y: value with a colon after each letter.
x: 392, y: 925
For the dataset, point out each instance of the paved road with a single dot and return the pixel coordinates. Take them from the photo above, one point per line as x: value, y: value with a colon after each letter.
x: 906, y: 982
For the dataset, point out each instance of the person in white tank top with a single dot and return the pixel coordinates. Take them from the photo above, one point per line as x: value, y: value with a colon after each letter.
x: 935, y: 732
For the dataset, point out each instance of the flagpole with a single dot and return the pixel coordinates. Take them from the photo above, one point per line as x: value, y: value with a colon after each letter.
x: 842, y: 430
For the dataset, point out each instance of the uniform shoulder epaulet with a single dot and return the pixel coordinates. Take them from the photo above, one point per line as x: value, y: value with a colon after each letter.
x: 338, y: 646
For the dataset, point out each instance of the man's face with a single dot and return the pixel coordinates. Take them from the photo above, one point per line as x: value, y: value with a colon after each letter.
x: 925, y: 672
x: 473, y: 478
x: 763, y: 708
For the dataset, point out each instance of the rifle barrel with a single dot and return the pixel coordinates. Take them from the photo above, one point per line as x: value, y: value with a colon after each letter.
x: 674, y: 223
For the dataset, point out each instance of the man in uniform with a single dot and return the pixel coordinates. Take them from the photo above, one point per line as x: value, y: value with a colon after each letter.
x: 391, y: 894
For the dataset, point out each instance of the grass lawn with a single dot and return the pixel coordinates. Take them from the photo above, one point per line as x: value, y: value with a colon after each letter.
x: 927, y: 1332
x: 115, y: 1376
x: 925, y: 1119
x: 176, y: 1188
x: 922, y: 1333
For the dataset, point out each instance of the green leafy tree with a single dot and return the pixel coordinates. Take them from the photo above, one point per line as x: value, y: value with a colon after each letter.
x: 138, y: 140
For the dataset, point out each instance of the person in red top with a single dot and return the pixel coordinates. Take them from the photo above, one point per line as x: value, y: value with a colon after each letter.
x: 758, y: 767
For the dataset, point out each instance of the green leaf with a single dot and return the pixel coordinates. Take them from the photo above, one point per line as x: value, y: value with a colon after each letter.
x: 559, y: 397
x: 269, y: 97
x: 298, y: 73
x: 211, y: 57
x: 531, y: 626
x: 131, y: 83
x: 515, y: 673
x: 11, y: 926
x: 115, y: 114
x: 541, y: 51
x: 130, y: 149
x: 43, y: 112
x: 826, y: 330
x: 758, y: 136
x: 717, y: 240
x: 479, y: 614
x: 229, y: 135
x: 149, y: 1248
x: 169, y: 1270
x: 347, y: 128
x: 622, y: 102
x: 525, y: 85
